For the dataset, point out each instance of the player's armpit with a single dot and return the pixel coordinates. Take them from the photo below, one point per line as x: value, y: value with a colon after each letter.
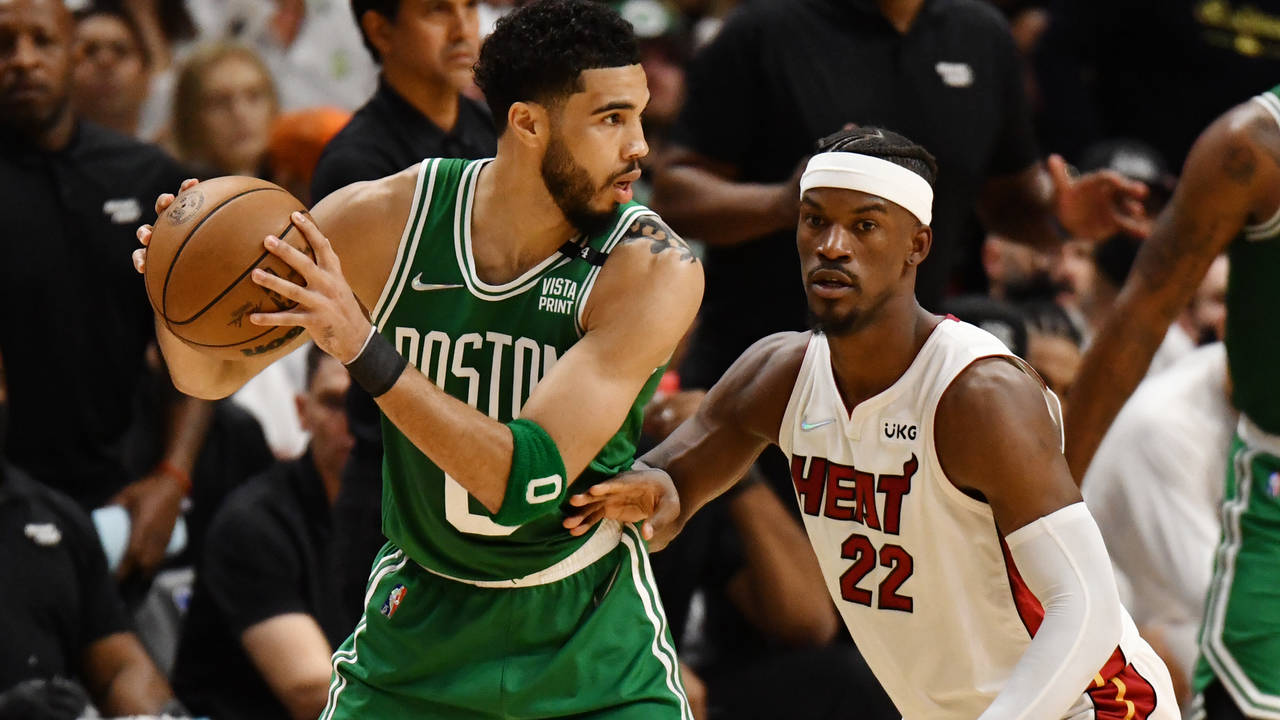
x: 996, y: 439
x: 740, y: 416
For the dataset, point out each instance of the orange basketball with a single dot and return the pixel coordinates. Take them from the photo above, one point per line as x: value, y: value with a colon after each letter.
x: 198, y: 263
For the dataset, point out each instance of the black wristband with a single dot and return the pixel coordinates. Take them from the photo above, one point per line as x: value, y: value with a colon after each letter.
x: 378, y: 366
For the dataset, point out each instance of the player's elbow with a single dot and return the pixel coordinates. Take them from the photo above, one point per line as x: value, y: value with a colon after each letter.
x: 306, y: 699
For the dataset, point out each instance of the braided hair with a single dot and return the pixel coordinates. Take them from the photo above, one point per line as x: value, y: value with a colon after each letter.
x: 883, y: 144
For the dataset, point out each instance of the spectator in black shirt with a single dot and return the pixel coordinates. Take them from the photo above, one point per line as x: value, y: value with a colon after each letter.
x: 426, y: 50
x: 74, y: 317
x: 784, y: 73
x: 267, y: 613
x: 60, y: 615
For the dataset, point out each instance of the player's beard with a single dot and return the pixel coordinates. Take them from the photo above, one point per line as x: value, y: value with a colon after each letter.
x: 573, y: 190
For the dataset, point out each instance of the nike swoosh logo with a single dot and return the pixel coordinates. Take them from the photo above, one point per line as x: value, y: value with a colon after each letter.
x: 417, y: 284
x: 806, y: 426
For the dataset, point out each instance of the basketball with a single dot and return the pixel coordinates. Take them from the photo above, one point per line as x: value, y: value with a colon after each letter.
x: 198, y: 263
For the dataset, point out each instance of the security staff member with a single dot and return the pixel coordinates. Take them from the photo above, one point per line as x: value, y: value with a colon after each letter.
x: 60, y: 616
x: 426, y: 51
x: 782, y: 74
x: 74, y: 318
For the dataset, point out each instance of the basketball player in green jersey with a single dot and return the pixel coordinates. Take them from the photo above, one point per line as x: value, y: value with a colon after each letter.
x: 536, y: 306
x: 1227, y: 200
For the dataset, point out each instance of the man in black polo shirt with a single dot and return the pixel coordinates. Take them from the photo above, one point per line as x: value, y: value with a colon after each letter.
x: 267, y: 613
x: 426, y: 50
x: 74, y: 316
x: 60, y: 616
x: 784, y: 73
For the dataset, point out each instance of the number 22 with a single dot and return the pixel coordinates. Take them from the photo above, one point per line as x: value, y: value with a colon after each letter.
x: 859, y: 549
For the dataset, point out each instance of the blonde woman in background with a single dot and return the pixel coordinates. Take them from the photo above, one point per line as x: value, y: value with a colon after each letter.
x: 224, y: 104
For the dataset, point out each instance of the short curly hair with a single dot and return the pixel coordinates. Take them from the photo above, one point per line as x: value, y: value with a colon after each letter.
x: 883, y: 144
x: 538, y: 52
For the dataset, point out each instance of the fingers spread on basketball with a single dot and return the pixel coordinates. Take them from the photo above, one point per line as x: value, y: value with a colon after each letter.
x: 325, y: 257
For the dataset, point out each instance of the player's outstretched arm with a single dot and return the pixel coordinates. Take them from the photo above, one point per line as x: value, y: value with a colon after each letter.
x: 996, y: 440
x: 712, y: 450
x: 1230, y: 180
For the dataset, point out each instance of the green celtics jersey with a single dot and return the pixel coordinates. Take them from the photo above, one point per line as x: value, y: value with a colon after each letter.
x: 488, y: 346
x: 1253, y: 312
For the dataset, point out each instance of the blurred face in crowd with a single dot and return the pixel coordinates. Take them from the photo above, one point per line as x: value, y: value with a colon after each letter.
x: 436, y: 41
x: 666, y: 84
x: 35, y: 63
x: 1208, y: 311
x: 1016, y: 272
x: 237, y: 107
x: 857, y: 252
x: 1076, y: 275
x: 322, y: 412
x: 596, y: 142
x: 1057, y: 360
x: 110, y: 78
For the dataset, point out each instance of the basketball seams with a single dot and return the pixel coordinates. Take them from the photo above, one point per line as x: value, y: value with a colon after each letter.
x: 164, y: 292
x: 230, y: 287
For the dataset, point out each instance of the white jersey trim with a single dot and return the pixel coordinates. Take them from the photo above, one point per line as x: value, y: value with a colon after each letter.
x: 404, y: 262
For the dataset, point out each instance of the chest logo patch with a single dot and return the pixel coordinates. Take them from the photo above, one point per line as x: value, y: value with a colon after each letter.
x: 955, y: 74
x: 43, y: 534
x: 558, y: 295
x: 899, y: 432
x: 393, y: 600
x: 807, y: 426
x: 123, y: 211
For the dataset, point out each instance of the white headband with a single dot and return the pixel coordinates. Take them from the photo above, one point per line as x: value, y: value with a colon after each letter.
x: 871, y: 175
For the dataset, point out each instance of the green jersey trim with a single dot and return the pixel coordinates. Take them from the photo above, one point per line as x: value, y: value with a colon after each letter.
x: 1271, y: 227
x: 404, y: 260
x: 466, y: 259
x: 1243, y: 691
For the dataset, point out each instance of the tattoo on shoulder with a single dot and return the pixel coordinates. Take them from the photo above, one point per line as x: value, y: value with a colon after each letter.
x: 1240, y: 163
x: 660, y: 238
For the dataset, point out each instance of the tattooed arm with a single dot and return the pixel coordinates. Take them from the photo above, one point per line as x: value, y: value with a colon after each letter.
x: 1231, y: 179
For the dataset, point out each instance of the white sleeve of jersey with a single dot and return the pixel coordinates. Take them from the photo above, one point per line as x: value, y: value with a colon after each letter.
x: 1064, y: 562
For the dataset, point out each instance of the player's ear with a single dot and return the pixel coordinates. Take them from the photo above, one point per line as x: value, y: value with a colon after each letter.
x: 530, y: 123
x: 921, y: 242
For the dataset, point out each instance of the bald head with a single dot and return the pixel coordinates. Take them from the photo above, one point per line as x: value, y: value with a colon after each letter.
x: 35, y: 65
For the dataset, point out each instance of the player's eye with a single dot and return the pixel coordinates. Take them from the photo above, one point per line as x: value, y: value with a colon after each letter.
x: 812, y: 220
x: 865, y: 226
x: 614, y: 119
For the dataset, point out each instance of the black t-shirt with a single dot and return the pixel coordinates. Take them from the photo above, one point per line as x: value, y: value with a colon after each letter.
x: 1160, y: 70
x: 57, y: 596
x: 782, y: 74
x: 388, y: 135
x: 74, y: 315
x: 268, y: 553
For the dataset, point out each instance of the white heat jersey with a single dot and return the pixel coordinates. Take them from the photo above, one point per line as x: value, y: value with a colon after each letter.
x: 917, y: 568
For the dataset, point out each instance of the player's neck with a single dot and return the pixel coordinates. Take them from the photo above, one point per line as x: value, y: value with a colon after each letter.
x: 515, y: 223
x: 434, y: 98
x: 871, y: 359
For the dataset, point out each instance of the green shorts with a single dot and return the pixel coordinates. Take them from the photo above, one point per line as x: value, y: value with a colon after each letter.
x: 1240, y: 640
x: 594, y: 644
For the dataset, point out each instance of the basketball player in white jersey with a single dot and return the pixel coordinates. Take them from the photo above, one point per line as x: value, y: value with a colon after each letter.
x: 927, y: 463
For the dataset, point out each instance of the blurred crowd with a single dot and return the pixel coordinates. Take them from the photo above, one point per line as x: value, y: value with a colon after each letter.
x: 164, y: 555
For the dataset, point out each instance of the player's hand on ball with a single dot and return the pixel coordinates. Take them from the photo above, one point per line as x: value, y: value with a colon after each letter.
x: 144, y: 232
x: 326, y: 306
x: 646, y: 495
